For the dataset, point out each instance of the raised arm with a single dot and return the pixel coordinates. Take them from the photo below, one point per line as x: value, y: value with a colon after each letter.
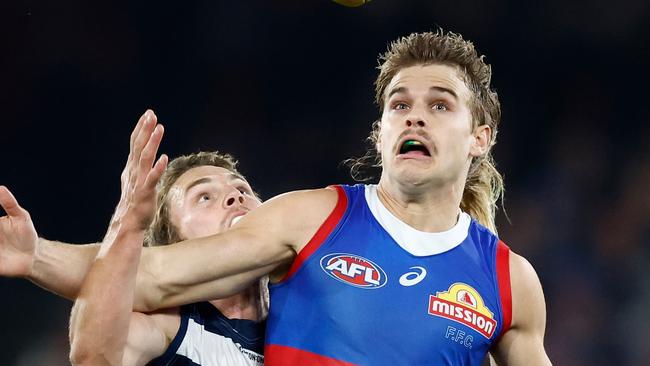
x: 265, y: 241
x: 523, y: 343
x: 102, y: 315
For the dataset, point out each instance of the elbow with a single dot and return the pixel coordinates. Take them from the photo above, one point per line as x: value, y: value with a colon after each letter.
x: 81, y: 351
x: 81, y: 354
x: 78, y: 357
x: 90, y: 360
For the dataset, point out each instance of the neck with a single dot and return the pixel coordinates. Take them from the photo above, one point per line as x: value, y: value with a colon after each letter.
x: 244, y: 305
x: 429, y: 209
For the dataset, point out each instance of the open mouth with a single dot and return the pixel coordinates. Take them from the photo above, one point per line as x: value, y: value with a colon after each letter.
x: 414, y: 147
x: 235, y: 220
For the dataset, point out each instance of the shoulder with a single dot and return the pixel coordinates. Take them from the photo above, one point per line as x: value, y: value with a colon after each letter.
x: 317, y: 199
x: 528, y: 304
x: 294, y: 212
x: 291, y: 219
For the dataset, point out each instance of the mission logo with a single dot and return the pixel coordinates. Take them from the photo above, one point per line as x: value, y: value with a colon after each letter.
x: 353, y: 270
x: 463, y: 304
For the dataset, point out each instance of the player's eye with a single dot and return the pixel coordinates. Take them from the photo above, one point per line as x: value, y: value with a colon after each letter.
x: 204, y: 197
x: 439, y: 107
x: 400, y: 106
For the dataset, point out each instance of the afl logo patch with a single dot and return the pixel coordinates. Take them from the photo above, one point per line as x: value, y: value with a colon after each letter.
x: 353, y: 270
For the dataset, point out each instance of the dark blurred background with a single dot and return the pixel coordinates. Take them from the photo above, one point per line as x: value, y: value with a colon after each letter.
x: 286, y: 86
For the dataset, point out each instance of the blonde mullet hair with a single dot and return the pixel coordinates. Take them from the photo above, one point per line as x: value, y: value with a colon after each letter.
x: 484, y: 185
x: 483, y: 189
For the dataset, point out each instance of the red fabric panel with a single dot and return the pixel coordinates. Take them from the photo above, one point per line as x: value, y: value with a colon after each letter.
x: 277, y: 355
x: 503, y: 277
x: 322, y: 233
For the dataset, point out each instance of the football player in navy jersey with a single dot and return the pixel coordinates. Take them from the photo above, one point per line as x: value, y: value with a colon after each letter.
x: 199, y: 194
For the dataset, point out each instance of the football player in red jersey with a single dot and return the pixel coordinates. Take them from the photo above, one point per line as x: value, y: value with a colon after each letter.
x: 439, y: 119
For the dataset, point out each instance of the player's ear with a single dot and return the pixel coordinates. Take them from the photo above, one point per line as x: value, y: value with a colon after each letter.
x: 481, y: 139
x: 378, y: 135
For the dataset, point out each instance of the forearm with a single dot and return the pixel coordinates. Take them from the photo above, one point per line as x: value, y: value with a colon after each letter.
x: 104, y: 303
x: 61, y: 267
x: 203, y: 269
x: 263, y: 241
x: 168, y: 293
x: 170, y: 272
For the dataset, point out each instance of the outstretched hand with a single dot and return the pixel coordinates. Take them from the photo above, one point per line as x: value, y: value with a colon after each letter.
x: 18, y: 238
x: 105, y: 300
x: 140, y: 176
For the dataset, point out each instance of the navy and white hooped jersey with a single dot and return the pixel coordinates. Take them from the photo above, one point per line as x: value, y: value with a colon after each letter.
x: 207, y: 338
x: 370, y: 290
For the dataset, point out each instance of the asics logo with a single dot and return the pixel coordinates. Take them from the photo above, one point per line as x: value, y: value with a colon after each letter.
x: 414, y: 277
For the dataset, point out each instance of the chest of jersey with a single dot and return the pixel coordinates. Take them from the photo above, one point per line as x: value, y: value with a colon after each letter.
x: 208, y: 338
x: 363, y: 299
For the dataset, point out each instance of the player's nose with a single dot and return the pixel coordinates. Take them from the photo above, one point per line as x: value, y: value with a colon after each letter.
x: 415, y: 117
x: 414, y: 120
x: 234, y: 197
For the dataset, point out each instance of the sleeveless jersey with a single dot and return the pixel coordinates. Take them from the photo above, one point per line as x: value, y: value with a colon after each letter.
x: 208, y: 338
x: 370, y: 290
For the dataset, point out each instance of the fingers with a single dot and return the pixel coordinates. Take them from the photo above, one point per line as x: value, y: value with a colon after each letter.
x: 139, y: 137
x: 9, y: 203
x: 149, y: 153
x: 143, y: 136
x: 138, y: 127
x: 156, y: 172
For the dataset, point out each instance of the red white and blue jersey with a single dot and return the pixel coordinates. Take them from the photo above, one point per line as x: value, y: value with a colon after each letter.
x: 369, y: 289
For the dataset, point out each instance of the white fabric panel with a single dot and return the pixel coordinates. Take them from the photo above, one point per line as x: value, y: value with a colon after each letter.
x: 418, y: 243
x: 210, y: 349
